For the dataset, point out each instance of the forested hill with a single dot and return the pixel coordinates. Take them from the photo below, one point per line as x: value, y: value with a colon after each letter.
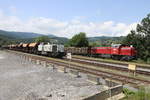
x: 7, y: 37
x: 18, y: 35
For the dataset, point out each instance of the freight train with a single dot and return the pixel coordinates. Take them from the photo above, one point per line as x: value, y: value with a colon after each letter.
x: 52, y: 50
x: 116, y: 51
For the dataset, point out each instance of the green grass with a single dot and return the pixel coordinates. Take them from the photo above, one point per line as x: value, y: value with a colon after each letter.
x: 141, y: 94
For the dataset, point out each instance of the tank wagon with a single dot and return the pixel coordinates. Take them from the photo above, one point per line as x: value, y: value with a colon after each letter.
x: 52, y: 50
x: 116, y: 51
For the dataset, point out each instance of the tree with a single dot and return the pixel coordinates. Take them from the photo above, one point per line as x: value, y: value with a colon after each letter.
x: 144, y: 29
x: 136, y: 40
x: 140, y: 39
x: 79, y: 40
x: 93, y: 44
x: 42, y: 39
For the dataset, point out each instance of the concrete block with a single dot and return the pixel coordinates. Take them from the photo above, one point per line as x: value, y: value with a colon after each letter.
x: 38, y: 62
x: 110, y: 83
x: 75, y: 72
x: 33, y: 60
x: 27, y: 59
x: 44, y: 63
x: 116, y: 90
x: 99, y: 96
x: 104, y: 95
x: 94, y: 79
x: 62, y: 69
x: 53, y: 66
x: 30, y: 59
x: 49, y: 65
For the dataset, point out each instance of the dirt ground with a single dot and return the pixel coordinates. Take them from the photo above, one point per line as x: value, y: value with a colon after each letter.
x: 23, y: 80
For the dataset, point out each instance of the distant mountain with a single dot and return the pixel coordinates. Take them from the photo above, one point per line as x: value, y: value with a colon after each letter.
x: 26, y: 37
x: 18, y: 35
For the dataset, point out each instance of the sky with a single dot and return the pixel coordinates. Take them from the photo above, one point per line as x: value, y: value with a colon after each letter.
x: 66, y: 18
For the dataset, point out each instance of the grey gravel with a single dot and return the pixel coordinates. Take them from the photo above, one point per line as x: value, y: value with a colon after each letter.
x: 23, y: 80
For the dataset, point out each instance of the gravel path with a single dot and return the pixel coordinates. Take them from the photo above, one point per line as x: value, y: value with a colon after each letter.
x: 22, y: 80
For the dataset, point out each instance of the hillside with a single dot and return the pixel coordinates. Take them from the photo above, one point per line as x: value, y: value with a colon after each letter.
x: 17, y: 35
x: 7, y: 37
x: 4, y: 39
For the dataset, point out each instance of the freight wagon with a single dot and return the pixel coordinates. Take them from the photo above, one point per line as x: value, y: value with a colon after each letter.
x: 52, y: 50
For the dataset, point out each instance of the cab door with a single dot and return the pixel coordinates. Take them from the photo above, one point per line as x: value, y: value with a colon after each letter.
x: 54, y: 49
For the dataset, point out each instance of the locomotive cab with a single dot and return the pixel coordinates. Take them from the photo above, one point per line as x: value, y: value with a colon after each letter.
x: 53, y: 50
x: 123, y: 52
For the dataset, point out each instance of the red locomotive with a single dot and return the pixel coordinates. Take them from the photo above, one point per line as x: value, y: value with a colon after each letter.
x: 116, y: 51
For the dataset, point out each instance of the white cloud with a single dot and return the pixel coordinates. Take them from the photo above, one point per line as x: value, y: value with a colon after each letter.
x: 13, y: 9
x: 64, y: 28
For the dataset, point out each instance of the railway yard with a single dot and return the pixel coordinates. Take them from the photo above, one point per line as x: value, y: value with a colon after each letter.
x: 74, y: 50
x: 45, y: 78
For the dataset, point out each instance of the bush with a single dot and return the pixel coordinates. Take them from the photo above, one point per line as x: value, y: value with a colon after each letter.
x: 141, y: 94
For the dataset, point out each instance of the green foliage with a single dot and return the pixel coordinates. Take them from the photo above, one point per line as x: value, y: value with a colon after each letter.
x: 79, y: 40
x: 95, y: 44
x: 105, y: 41
x: 128, y: 92
x: 141, y: 94
x: 4, y: 40
x: 42, y: 39
x: 140, y: 38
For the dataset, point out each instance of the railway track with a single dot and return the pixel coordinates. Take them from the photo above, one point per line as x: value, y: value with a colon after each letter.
x: 120, y: 67
x: 143, y: 66
x: 90, y: 70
